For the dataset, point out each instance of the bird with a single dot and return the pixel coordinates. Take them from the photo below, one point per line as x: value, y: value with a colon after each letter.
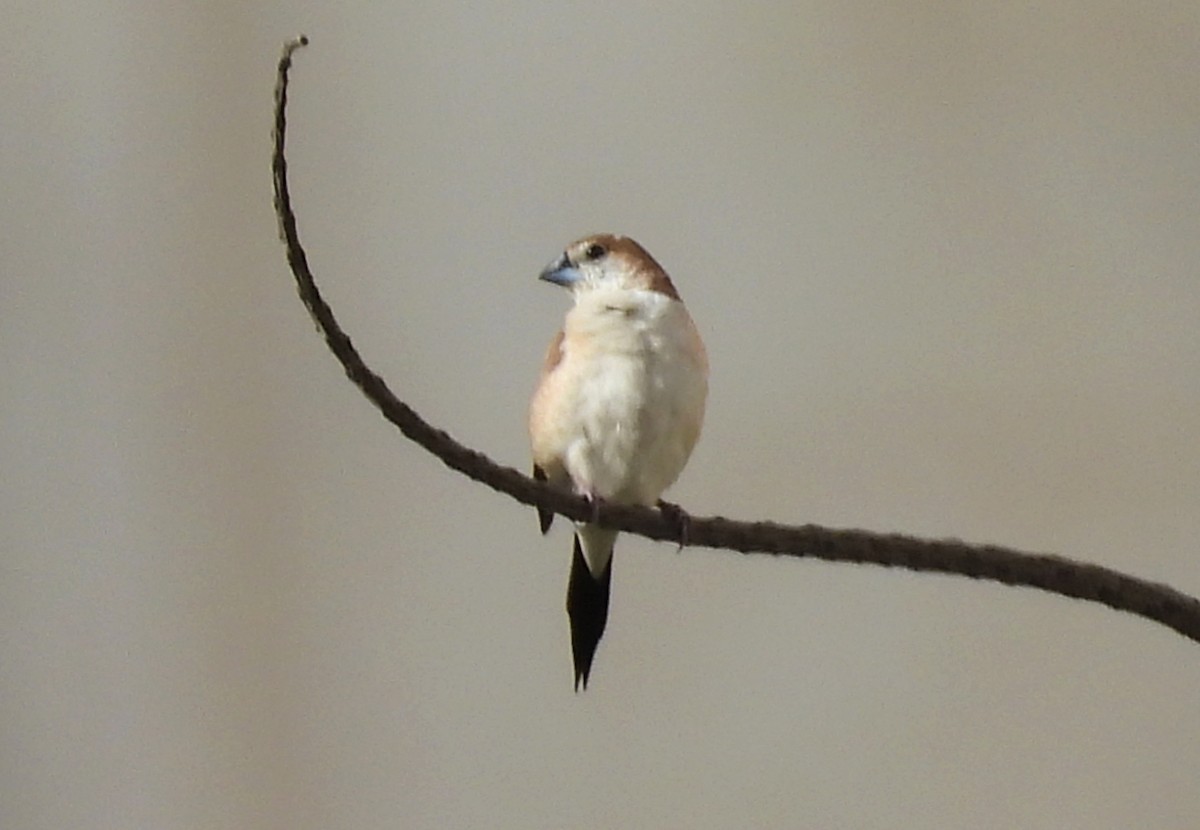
x: 617, y: 410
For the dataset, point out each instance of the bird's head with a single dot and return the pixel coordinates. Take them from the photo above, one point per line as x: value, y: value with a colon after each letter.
x: 608, y: 261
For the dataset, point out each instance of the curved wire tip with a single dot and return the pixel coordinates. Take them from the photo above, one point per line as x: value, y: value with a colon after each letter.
x: 294, y: 44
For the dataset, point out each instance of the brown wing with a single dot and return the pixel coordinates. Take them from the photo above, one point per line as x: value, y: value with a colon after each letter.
x: 554, y: 355
x: 545, y: 517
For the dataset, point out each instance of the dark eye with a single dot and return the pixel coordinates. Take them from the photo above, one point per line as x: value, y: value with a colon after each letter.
x: 594, y: 251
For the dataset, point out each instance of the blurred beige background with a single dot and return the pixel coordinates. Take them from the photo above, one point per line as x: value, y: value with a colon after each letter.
x: 947, y: 262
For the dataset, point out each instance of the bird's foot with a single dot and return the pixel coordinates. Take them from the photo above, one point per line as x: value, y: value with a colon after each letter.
x: 595, y: 503
x: 678, y: 517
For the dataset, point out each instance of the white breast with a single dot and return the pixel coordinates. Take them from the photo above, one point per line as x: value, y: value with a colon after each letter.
x: 640, y: 388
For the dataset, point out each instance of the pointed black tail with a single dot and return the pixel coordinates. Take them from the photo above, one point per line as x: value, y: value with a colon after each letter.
x: 587, y: 606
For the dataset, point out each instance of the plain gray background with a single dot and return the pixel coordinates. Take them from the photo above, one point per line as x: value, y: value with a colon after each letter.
x: 946, y: 258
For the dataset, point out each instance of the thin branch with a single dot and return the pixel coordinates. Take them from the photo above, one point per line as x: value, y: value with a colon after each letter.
x: 1055, y: 574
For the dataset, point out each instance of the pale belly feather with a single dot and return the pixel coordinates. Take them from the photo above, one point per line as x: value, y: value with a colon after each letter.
x: 636, y: 420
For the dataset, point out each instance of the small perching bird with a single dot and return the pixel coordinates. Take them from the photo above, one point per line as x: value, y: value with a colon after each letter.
x: 618, y: 409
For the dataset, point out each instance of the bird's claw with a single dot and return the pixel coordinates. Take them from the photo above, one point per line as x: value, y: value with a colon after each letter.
x: 594, y: 502
x: 679, y: 517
